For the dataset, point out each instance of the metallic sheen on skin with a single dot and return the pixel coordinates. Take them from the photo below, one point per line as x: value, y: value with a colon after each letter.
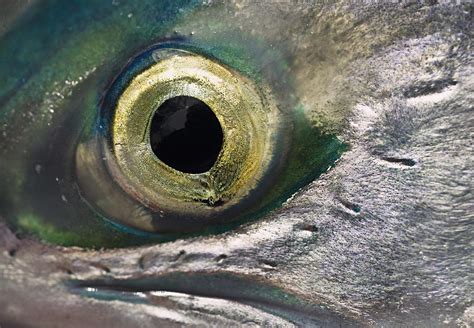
x: 375, y: 241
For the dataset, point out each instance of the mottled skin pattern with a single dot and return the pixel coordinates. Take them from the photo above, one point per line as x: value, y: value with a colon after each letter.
x: 383, y: 239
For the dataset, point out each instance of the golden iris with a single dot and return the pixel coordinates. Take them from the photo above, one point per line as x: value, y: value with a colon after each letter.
x: 155, y: 196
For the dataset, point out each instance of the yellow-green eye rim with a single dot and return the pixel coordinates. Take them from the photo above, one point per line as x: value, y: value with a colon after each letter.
x: 250, y: 125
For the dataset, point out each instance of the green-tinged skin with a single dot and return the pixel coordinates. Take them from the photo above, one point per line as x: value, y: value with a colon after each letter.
x: 64, y: 95
x: 45, y: 231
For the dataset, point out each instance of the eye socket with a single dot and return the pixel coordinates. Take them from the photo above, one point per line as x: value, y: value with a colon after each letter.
x: 63, y: 181
x: 147, y: 156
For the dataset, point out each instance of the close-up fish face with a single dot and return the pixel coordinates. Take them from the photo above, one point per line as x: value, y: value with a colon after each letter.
x: 231, y: 163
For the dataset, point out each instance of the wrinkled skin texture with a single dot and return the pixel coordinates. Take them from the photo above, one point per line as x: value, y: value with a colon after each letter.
x: 382, y: 239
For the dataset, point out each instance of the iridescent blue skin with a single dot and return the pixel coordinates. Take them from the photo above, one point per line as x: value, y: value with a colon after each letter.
x: 382, y: 238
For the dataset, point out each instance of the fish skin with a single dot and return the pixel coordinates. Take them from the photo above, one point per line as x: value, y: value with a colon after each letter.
x: 377, y: 242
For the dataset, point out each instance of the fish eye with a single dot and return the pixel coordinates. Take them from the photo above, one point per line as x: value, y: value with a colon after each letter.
x: 186, y: 141
x: 148, y: 141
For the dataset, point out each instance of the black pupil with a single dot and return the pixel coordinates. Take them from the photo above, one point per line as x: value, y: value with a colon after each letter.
x: 186, y: 135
